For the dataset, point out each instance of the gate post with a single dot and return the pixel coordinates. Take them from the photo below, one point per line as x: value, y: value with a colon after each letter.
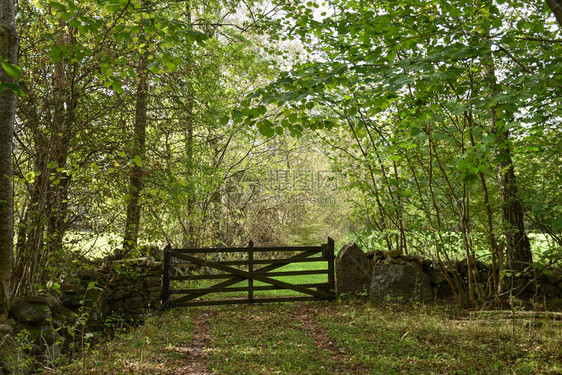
x: 331, y: 266
x: 166, y: 279
x: 251, y: 271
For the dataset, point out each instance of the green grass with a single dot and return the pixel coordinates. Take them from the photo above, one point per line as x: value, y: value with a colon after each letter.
x: 353, y: 337
x: 299, y: 279
x: 266, y: 343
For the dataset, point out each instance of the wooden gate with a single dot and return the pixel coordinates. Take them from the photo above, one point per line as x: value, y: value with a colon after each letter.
x: 259, y: 265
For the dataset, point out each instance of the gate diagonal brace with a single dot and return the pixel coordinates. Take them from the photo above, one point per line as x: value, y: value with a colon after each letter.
x: 237, y: 279
x: 248, y: 275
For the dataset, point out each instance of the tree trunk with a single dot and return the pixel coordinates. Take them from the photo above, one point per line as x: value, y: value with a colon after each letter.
x: 136, y: 177
x: 518, y: 247
x: 48, y: 201
x: 61, y: 128
x: 556, y: 8
x: 519, y: 253
x: 9, y: 51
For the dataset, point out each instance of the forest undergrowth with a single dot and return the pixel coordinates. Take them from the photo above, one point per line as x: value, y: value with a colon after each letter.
x: 343, y: 337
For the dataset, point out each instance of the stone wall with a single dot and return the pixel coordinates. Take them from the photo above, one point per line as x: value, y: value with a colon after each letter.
x: 389, y: 275
x: 128, y: 288
x: 37, y: 328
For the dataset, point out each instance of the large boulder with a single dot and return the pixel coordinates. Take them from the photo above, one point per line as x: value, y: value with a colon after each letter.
x: 400, y: 283
x: 31, y: 313
x: 6, y: 329
x: 52, y: 301
x: 353, y: 270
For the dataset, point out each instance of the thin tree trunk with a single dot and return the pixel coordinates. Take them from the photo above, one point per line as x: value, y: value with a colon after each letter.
x: 518, y: 247
x: 9, y: 51
x: 519, y: 253
x: 190, y: 239
x: 130, y: 239
x: 63, y: 121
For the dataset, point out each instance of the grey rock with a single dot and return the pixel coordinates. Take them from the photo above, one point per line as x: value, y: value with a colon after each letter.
x: 435, y: 276
x: 72, y: 301
x: 53, y: 302
x: 30, y: 312
x: 554, y: 276
x: 6, y: 329
x: 400, y: 283
x: 353, y: 270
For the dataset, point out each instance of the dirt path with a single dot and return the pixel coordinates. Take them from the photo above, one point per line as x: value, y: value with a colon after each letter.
x: 339, y: 359
x: 195, y: 352
x: 194, y: 358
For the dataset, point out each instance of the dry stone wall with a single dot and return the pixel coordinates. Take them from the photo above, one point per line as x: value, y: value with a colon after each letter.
x: 391, y: 276
x: 37, y: 328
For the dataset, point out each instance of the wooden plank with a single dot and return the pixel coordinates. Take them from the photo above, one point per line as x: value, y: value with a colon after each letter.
x: 287, y: 249
x: 229, y: 276
x: 242, y: 301
x: 257, y: 276
x: 270, y: 261
x: 165, y: 297
x: 251, y: 272
x: 200, y: 277
x: 331, y: 258
x: 240, y: 289
x: 298, y: 273
x: 235, y: 279
x: 245, y: 249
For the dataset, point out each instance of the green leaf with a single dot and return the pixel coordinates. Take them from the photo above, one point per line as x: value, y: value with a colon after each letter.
x: 56, y: 54
x: 30, y: 177
x: 138, y: 161
x: 136, y: 344
x: 293, y: 118
x: 266, y: 130
x: 12, y: 86
x: 224, y: 120
x: 12, y: 70
x: 557, y: 223
x: 57, y: 6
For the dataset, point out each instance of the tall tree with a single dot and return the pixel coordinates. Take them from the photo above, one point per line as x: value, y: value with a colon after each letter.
x: 132, y: 224
x: 8, y: 53
x: 436, y: 131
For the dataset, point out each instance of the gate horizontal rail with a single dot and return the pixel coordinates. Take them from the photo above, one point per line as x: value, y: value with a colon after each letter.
x: 232, y: 275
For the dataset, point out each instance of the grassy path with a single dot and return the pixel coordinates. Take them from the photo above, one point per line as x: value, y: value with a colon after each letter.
x: 194, y: 361
x: 327, y: 338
